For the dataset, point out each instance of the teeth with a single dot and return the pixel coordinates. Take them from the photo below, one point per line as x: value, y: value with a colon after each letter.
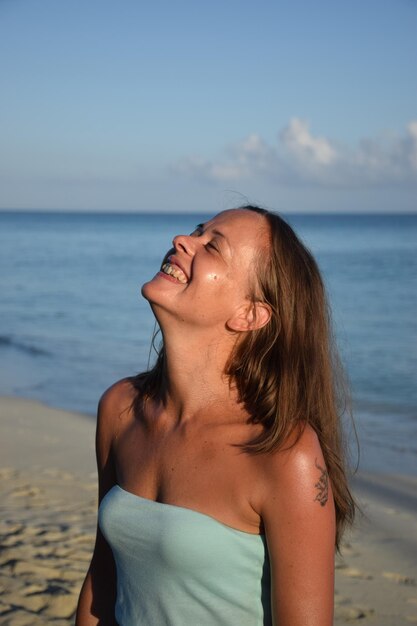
x: 173, y: 270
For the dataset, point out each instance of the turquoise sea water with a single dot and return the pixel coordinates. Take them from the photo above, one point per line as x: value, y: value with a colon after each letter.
x: 72, y: 320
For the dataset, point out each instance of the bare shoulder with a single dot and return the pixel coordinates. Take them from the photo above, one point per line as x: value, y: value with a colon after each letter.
x: 295, y: 479
x: 114, y: 412
x: 115, y: 404
x: 118, y: 394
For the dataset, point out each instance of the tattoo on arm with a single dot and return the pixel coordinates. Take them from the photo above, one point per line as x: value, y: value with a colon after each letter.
x: 322, y: 485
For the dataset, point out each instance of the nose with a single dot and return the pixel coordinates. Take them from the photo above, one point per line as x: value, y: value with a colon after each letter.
x: 183, y: 243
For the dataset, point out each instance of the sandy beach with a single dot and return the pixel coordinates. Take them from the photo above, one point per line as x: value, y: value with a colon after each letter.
x: 48, y: 518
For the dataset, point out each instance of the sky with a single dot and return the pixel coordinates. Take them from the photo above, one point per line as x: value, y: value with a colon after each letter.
x: 298, y: 106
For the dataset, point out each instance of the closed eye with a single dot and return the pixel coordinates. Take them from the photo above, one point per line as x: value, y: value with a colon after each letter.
x: 199, y: 230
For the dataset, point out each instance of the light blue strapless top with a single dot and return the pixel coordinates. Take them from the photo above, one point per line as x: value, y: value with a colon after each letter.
x: 178, y: 567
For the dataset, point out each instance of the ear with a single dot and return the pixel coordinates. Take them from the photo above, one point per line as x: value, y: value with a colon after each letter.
x: 250, y: 316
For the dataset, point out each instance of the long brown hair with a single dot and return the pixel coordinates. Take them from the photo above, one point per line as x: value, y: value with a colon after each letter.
x: 288, y: 373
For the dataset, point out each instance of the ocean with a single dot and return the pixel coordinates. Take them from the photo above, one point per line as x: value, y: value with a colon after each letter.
x: 72, y: 320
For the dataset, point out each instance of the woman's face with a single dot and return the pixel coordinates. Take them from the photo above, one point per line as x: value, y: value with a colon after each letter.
x: 209, y: 274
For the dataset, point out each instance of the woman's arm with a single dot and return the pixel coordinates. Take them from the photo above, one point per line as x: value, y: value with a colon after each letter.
x: 98, y: 593
x: 298, y: 512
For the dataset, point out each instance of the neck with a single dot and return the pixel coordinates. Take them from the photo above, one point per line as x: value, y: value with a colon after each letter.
x: 194, y: 377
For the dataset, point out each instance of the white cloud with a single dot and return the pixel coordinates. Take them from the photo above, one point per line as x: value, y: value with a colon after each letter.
x: 306, y: 148
x: 302, y: 157
x: 249, y: 157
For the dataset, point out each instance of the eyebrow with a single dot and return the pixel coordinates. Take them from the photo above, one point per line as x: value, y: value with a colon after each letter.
x: 214, y: 231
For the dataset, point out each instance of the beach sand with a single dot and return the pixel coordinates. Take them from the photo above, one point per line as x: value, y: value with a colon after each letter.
x: 48, y: 518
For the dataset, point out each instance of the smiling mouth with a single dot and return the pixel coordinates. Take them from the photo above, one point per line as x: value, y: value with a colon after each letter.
x: 175, y: 272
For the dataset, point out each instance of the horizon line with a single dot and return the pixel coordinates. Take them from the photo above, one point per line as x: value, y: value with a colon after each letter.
x: 183, y: 212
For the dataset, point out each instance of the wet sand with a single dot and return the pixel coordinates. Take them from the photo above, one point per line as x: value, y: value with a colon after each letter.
x: 48, y: 518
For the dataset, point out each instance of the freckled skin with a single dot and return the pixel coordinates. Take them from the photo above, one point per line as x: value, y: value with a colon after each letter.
x: 218, y: 276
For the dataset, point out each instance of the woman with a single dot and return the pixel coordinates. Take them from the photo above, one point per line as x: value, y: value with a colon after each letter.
x: 221, y: 472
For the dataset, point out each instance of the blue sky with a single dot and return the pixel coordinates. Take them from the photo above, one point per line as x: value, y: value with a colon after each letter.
x: 188, y: 106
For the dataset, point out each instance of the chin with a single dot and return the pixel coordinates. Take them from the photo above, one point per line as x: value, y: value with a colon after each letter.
x: 146, y: 290
x: 151, y: 291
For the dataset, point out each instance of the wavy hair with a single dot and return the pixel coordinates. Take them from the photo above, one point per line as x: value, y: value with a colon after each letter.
x: 288, y: 373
